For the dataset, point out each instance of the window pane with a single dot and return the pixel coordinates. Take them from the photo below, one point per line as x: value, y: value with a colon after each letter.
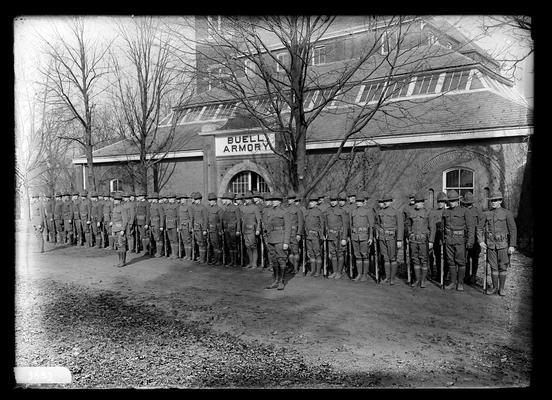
x: 433, y: 83
x: 209, y: 112
x: 466, y: 178
x: 418, y: 86
x: 377, y: 92
x: 446, y: 83
x: 404, y: 89
x: 455, y: 81
x: 463, y: 80
x: 453, y: 179
x: 425, y: 85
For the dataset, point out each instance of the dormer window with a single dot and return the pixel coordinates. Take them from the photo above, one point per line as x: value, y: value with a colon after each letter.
x: 319, y: 55
x: 282, y: 60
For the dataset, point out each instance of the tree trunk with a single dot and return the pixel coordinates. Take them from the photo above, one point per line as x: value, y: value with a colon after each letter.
x: 155, y: 178
x: 143, y: 177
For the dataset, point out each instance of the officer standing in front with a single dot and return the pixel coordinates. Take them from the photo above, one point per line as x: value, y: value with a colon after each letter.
x: 459, y: 231
x: 362, y: 222
x: 278, y: 231
x: 421, y: 237
x: 472, y: 255
x: 390, y: 226
x: 498, y: 236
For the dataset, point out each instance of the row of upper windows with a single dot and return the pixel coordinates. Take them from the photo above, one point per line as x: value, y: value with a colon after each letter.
x: 393, y: 90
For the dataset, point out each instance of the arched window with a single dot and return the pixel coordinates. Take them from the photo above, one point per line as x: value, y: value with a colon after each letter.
x: 247, y: 180
x: 116, y: 185
x: 459, y: 179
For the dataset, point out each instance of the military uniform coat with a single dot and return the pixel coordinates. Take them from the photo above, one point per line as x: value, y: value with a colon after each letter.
x: 278, y: 232
x: 314, y: 229
x: 362, y: 221
x: 389, y: 224
x: 499, y: 232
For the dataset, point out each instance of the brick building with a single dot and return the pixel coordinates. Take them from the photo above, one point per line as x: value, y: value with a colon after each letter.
x: 452, y: 123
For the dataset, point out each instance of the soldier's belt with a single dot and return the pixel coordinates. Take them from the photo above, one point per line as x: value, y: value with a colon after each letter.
x: 334, y: 231
x: 389, y: 232
x: 360, y: 229
x: 313, y: 232
x: 493, y: 236
x: 456, y: 233
x: 249, y: 226
x: 277, y: 228
x: 420, y: 237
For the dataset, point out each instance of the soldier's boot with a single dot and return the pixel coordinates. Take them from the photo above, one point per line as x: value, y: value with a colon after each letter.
x: 312, y: 263
x: 276, y: 278
x: 387, y: 269
x: 124, y: 255
x: 233, y: 258
x: 453, y: 276
x: 339, y: 268
x: 365, y: 265
x: 281, y: 282
x: 417, y: 274
x: 334, y: 268
x: 158, y: 250
x: 203, y: 256
x: 254, y: 257
x: 502, y: 283
x: 120, y: 258
x: 88, y: 239
x: 424, y: 275
x: 461, y: 275
x: 318, y: 270
x: 359, y: 268
x: 473, y: 276
x: 393, y: 273
x: 174, y: 250
x: 494, y: 279
x: 218, y: 257
x: 111, y: 242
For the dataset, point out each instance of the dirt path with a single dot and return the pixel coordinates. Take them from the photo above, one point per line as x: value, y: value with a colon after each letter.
x: 403, y: 336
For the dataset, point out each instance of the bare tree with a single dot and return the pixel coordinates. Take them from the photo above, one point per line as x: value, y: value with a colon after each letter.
x: 146, y: 79
x: 268, y: 66
x: 73, y: 81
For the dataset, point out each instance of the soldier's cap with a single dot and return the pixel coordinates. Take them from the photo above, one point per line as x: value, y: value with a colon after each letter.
x: 385, y: 197
x: 364, y: 194
x: 248, y: 195
x: 48, y: 195
x: 441, y: 197
x: 239, y: 196
x: 258, y: 195
x: 211, y: 196
x: 298, y: 197
x: 125, y: 194
x: 496, y: 196
x: 34, y: 195
x: 275, y: 196
x: 342, y: 196
x: 67, y: 193
x: 411, y: 195
x: 233, y: 195
x: 93, y: 194
x: 351, y: 193
x: 227, y: 195
x: 154, y: 195
x: 334, y: 196
x: 419, y: 197
x: 468, y: 198
x: 75, y: 193
x: 291, y: 195
x: 140, y: 194
x: 453, y: 195
x: 197, y: 196
x: 84, y: 193
x: 360, y: 197
x: 118, y: 196
x: 171, y: 196
x: 312, y: 197
x: 58, y: 194
x: 132, y: 193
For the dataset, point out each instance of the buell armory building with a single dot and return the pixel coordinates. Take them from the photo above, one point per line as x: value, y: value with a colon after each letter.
x: 467, y: 129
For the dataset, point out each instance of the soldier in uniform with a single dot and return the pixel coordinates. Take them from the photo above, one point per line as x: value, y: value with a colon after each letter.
x: 96, y: 214
x: 498, y: 236
x: 107, y: 209
x: 436, y: 216
x: 336, y: 233
x: 214, y: 218
x: 171, y: 224
x: 67, y: 215
x: 390, y: 231
x: 200, y: 223
x: 278, y: 232
x: 459, y: 232
x: 58, y: 219
x: 119, y: 227
x: 347, y: 252
x: 230, y: 218
x: 251, y: 225
x: 77, y: 234
x: 472, y: 255
x: 49, y: 216
x: 185, y: 226
x: 37, y: 219
x: 83, y: 210
x: 142, y: 222
x: 362, y: 222
x: 421, y: 228
x: 297, y: 221
x: 314, y: 229
x: 131, y: 233
x: 406, y: 212
x: 258, y: 200
x: 157, y: 218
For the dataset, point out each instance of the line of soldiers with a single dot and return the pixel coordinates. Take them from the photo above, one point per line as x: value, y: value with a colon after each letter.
x: 337, y: 235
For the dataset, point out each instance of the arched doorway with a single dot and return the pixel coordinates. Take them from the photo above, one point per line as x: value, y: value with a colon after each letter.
x: 247, y: 180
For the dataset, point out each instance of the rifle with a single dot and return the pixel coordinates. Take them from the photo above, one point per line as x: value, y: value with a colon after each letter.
x: 241, y: 245
x: 193, y: 244
x: 325, y: 248
x: 407, y: 258
x: 223, y: 248
x: 486, y: 266
x: 135, y: 238
x: 442, y: 244
x: 179, y: 243
x: 164, y: 242
x: 305, y: 255
x: 208, y: 245
x: 376, y: 255
x: 350, y: 248
x: 262, y: 247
